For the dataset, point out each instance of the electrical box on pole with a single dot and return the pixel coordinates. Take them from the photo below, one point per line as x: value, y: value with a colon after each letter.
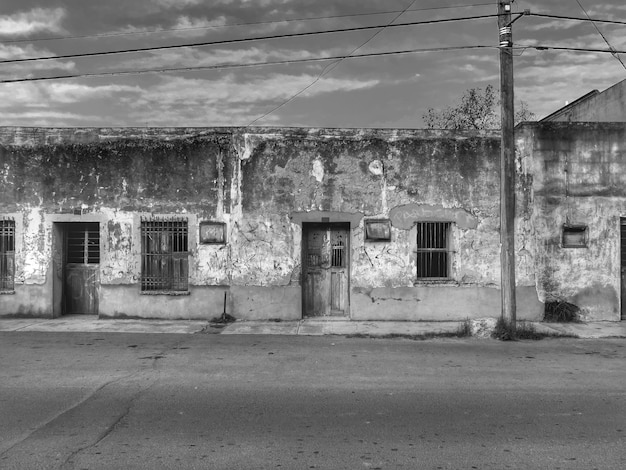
x: 507, y: 166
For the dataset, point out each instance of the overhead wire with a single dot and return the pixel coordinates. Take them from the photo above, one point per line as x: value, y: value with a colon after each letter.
x: 329, y: 68
x: 241, y: 40
x: 603, y: 36
x: 246, y: 65
x: 575, y: 18
x: 229, y: 25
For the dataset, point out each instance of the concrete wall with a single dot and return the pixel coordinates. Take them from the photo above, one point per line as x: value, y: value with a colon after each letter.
x: 579, y: 178
x: 263, y: 184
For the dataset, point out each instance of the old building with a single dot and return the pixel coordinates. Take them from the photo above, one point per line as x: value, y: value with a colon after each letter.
x: 292, y: 223
x: 596, y: 106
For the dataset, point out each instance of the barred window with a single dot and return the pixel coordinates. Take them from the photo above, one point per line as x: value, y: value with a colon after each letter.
x: 164, y: 256
x: 433, y: 248
x: 83, y: 243
x: 7, y: 255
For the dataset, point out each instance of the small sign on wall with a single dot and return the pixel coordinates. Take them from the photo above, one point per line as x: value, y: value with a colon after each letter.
x: 378, y: 230
x: 212, y: 233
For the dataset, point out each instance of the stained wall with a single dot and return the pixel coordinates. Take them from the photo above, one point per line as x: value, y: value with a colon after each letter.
x: 264, y: 184
x: 578, y: 173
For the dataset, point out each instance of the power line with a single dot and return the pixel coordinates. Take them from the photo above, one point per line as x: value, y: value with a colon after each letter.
x: 240, y: 40
x: 329, y: 68
x: 603, y: 36
x: 572, y: 49
x: 575, y: 18
x: 230, y: 25
x: 246, y: 65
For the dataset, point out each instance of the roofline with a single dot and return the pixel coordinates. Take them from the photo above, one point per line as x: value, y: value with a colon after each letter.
x: 570, y: 105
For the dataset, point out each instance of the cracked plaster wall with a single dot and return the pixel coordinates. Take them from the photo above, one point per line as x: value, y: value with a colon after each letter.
x: 578, y: 173
x: 254, y: 182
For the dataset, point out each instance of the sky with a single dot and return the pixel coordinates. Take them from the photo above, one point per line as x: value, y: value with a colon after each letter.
x: 387, y: 91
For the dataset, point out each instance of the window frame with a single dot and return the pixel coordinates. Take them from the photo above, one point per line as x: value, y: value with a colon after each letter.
x: 442, y: 231
x: 583, y: 230
x: 7, y: 255
x: 371, y: 237
x: 164, y: 256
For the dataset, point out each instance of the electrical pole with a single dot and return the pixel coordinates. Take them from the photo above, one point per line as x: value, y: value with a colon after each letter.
x: 507, y: 167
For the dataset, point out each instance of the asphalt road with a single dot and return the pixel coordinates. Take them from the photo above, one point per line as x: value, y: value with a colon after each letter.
x: 115, y: 400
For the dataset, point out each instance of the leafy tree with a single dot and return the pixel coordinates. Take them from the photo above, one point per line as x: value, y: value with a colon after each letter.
x: 478, y: 109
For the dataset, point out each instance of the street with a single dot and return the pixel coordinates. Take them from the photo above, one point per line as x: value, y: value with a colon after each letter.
x: 135, y: 401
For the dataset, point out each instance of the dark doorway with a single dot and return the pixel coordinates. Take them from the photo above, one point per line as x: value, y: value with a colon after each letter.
x: 81, y: 267
x: 325, y: 269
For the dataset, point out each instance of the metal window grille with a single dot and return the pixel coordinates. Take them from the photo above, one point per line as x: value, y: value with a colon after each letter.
x: 433, y: 249
x: 164, y: 256
x: 338, y: 255
x: 7, y: 255
x: 83, y: 243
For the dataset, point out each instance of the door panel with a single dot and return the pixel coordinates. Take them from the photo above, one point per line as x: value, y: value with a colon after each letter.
x: 81, y: 289
x: 325, y: 269
x: 82, y: 268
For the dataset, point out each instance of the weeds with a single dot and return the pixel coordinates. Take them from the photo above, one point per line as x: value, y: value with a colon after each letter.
x: 558, y: 311
x: 523, y: 330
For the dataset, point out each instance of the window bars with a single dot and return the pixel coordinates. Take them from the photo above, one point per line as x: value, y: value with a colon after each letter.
x: 164, y: 256
x: 7, y: 255
x: 433, y: 248
x: 83, y: 243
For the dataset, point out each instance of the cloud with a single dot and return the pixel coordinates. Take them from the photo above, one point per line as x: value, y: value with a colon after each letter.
x: 27, y: 69
x: 34, y: 94
x: 46, y: 118
x: 226, y: 101
x: 75, y: 92
x: 33, y: 21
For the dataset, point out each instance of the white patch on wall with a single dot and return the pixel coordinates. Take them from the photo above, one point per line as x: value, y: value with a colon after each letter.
x: 376, y: 168
x: 318, y: 170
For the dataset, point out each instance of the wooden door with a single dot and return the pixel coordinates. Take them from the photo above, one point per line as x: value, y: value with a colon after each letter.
x: 82, y: 268
x: 326, y: 268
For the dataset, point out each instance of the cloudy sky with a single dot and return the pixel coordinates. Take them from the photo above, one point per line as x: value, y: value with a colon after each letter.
x: 383, y: 91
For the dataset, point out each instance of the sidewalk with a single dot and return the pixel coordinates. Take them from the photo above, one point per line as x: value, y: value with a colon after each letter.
x: 308, y: 327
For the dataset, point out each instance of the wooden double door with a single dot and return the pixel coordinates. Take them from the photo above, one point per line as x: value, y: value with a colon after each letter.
x: 326, y: 269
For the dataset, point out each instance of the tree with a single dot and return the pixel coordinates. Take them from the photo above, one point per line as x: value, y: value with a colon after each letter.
x: 478, y: 109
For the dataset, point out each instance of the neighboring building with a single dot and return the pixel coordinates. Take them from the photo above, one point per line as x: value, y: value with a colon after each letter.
x: 606, y: 106
x: 290, y: 223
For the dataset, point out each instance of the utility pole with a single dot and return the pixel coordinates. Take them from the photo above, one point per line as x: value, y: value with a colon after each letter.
x: 507, y: 167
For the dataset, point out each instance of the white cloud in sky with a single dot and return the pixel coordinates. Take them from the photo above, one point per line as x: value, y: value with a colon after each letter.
x: 47, y: 118
x: 177, y: 3
x: 17, y: 95
x: 26, y: 69
x: 190, y: 101
x: 76, y: 92
x: 32, y: 21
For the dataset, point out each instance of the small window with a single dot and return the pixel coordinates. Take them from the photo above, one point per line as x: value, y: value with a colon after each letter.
x: 433, y: 250
x: 164, y: 256
x: 7, y: 255
x: 378, y: 230
x: 83, y: 243
x: 574, y: 236
x: 212, y: 233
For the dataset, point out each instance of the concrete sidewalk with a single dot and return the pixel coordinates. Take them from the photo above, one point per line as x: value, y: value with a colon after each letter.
x: 307, y: 327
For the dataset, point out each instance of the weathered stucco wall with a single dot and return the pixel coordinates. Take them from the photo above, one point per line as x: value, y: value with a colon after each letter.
x: 579, y: 178
x: 263, y: 184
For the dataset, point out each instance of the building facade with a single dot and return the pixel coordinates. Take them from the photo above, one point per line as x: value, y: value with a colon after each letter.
x: 293, y: 223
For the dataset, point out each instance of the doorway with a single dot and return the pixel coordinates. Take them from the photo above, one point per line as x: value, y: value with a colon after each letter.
x: 80, y: 259
x: 325, y: 269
